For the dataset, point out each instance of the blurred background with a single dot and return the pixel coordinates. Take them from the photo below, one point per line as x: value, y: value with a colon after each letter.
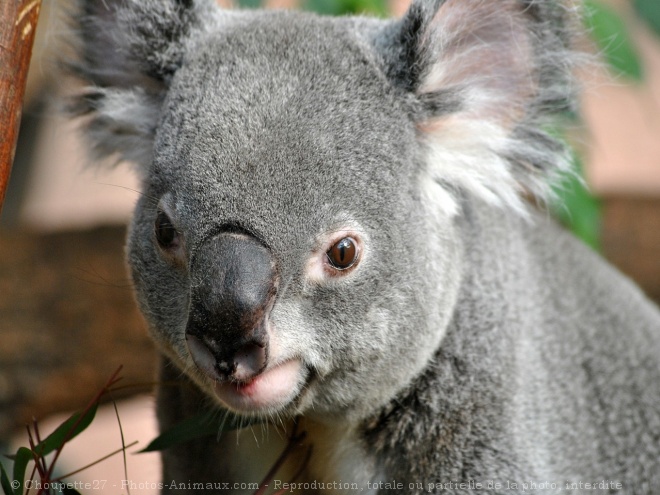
x: 67, y: 315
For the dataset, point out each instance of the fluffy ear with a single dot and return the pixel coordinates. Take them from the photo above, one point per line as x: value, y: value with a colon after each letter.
x: 485, y: 74
x: 126, y: 53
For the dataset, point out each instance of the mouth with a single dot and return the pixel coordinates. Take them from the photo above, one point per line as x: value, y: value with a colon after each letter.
x: 269, y: 391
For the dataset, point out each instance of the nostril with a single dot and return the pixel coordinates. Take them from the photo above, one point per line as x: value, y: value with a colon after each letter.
x: 248, y: 361
x: 201, y: 355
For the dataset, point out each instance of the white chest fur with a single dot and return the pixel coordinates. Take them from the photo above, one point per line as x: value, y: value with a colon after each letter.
x: 327, y: 460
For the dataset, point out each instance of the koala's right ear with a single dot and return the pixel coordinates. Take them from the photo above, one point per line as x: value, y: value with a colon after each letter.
x: 126, y: 54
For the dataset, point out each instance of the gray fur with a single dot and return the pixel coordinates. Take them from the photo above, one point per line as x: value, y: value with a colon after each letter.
x: 475, y: 341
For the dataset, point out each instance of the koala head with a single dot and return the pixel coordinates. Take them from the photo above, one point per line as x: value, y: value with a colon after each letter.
x: 297, y: 248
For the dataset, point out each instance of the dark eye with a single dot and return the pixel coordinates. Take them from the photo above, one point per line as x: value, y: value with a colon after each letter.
x: 343, y: 253
x: 166, y: 234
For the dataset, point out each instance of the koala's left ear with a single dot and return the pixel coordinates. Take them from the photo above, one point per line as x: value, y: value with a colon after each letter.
x: 485, y: 73
x: 127, y: 53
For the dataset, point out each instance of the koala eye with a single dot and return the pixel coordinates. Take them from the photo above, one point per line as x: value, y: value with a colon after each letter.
x: 343, y: 254
x: 166, y: 234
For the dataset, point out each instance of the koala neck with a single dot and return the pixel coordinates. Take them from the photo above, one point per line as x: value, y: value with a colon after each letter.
x: 470, y: 384
x: 443, y: 407
x: 340, y: 458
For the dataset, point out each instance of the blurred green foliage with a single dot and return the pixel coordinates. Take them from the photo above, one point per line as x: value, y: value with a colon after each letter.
x: 610, y: 33
x: 649, y: 11
x: 576, y: 207
x: 334, y: 7
x: 340, y: 7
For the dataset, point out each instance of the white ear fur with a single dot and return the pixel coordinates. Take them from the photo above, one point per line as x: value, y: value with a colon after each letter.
x: 124, y: 123
x: 482, y: 47
x: 127, y: 53
x: 485, y: 52
x: 466, y: 155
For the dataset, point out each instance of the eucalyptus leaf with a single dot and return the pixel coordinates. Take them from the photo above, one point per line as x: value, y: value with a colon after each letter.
x: 577, y: 208
x: 4, y: 482
x: 649, y: 11
x: 249, y: 4
x: 341, y: 7
x: 202, y: 425
x: 610, y: 33
x: 21, y: 459
x: 66, y: 431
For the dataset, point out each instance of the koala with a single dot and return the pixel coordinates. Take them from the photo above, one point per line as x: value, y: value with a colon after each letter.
x: 335, y: 243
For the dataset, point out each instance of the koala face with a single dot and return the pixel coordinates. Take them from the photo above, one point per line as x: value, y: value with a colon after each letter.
x: 297, y: 248
x: 283, y: 251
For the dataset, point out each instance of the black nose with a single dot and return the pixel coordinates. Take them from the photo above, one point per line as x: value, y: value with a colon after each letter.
x: 234, y: 281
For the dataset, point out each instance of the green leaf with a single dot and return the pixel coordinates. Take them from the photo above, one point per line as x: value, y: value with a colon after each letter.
x: 66, y: 431
x: 21, y: 459
x: 4, y: 481
x: 249, y: 4
x: 342, y: 7
x: 613, y: 39
x: 649, y: 11
x: 202, y: 425
x: 577, y: 209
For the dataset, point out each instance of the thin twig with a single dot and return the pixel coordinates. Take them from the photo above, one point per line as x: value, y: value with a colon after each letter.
x: 35, y: 427
x: 33, y: 448
x: 138, y: 385
x: 263, y: 486
x: 113, y: 379
x: 96, y: 461
x: 299, y: 472
x: 302, y: 467
x: 36, y: 464
x: 123, y: 444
